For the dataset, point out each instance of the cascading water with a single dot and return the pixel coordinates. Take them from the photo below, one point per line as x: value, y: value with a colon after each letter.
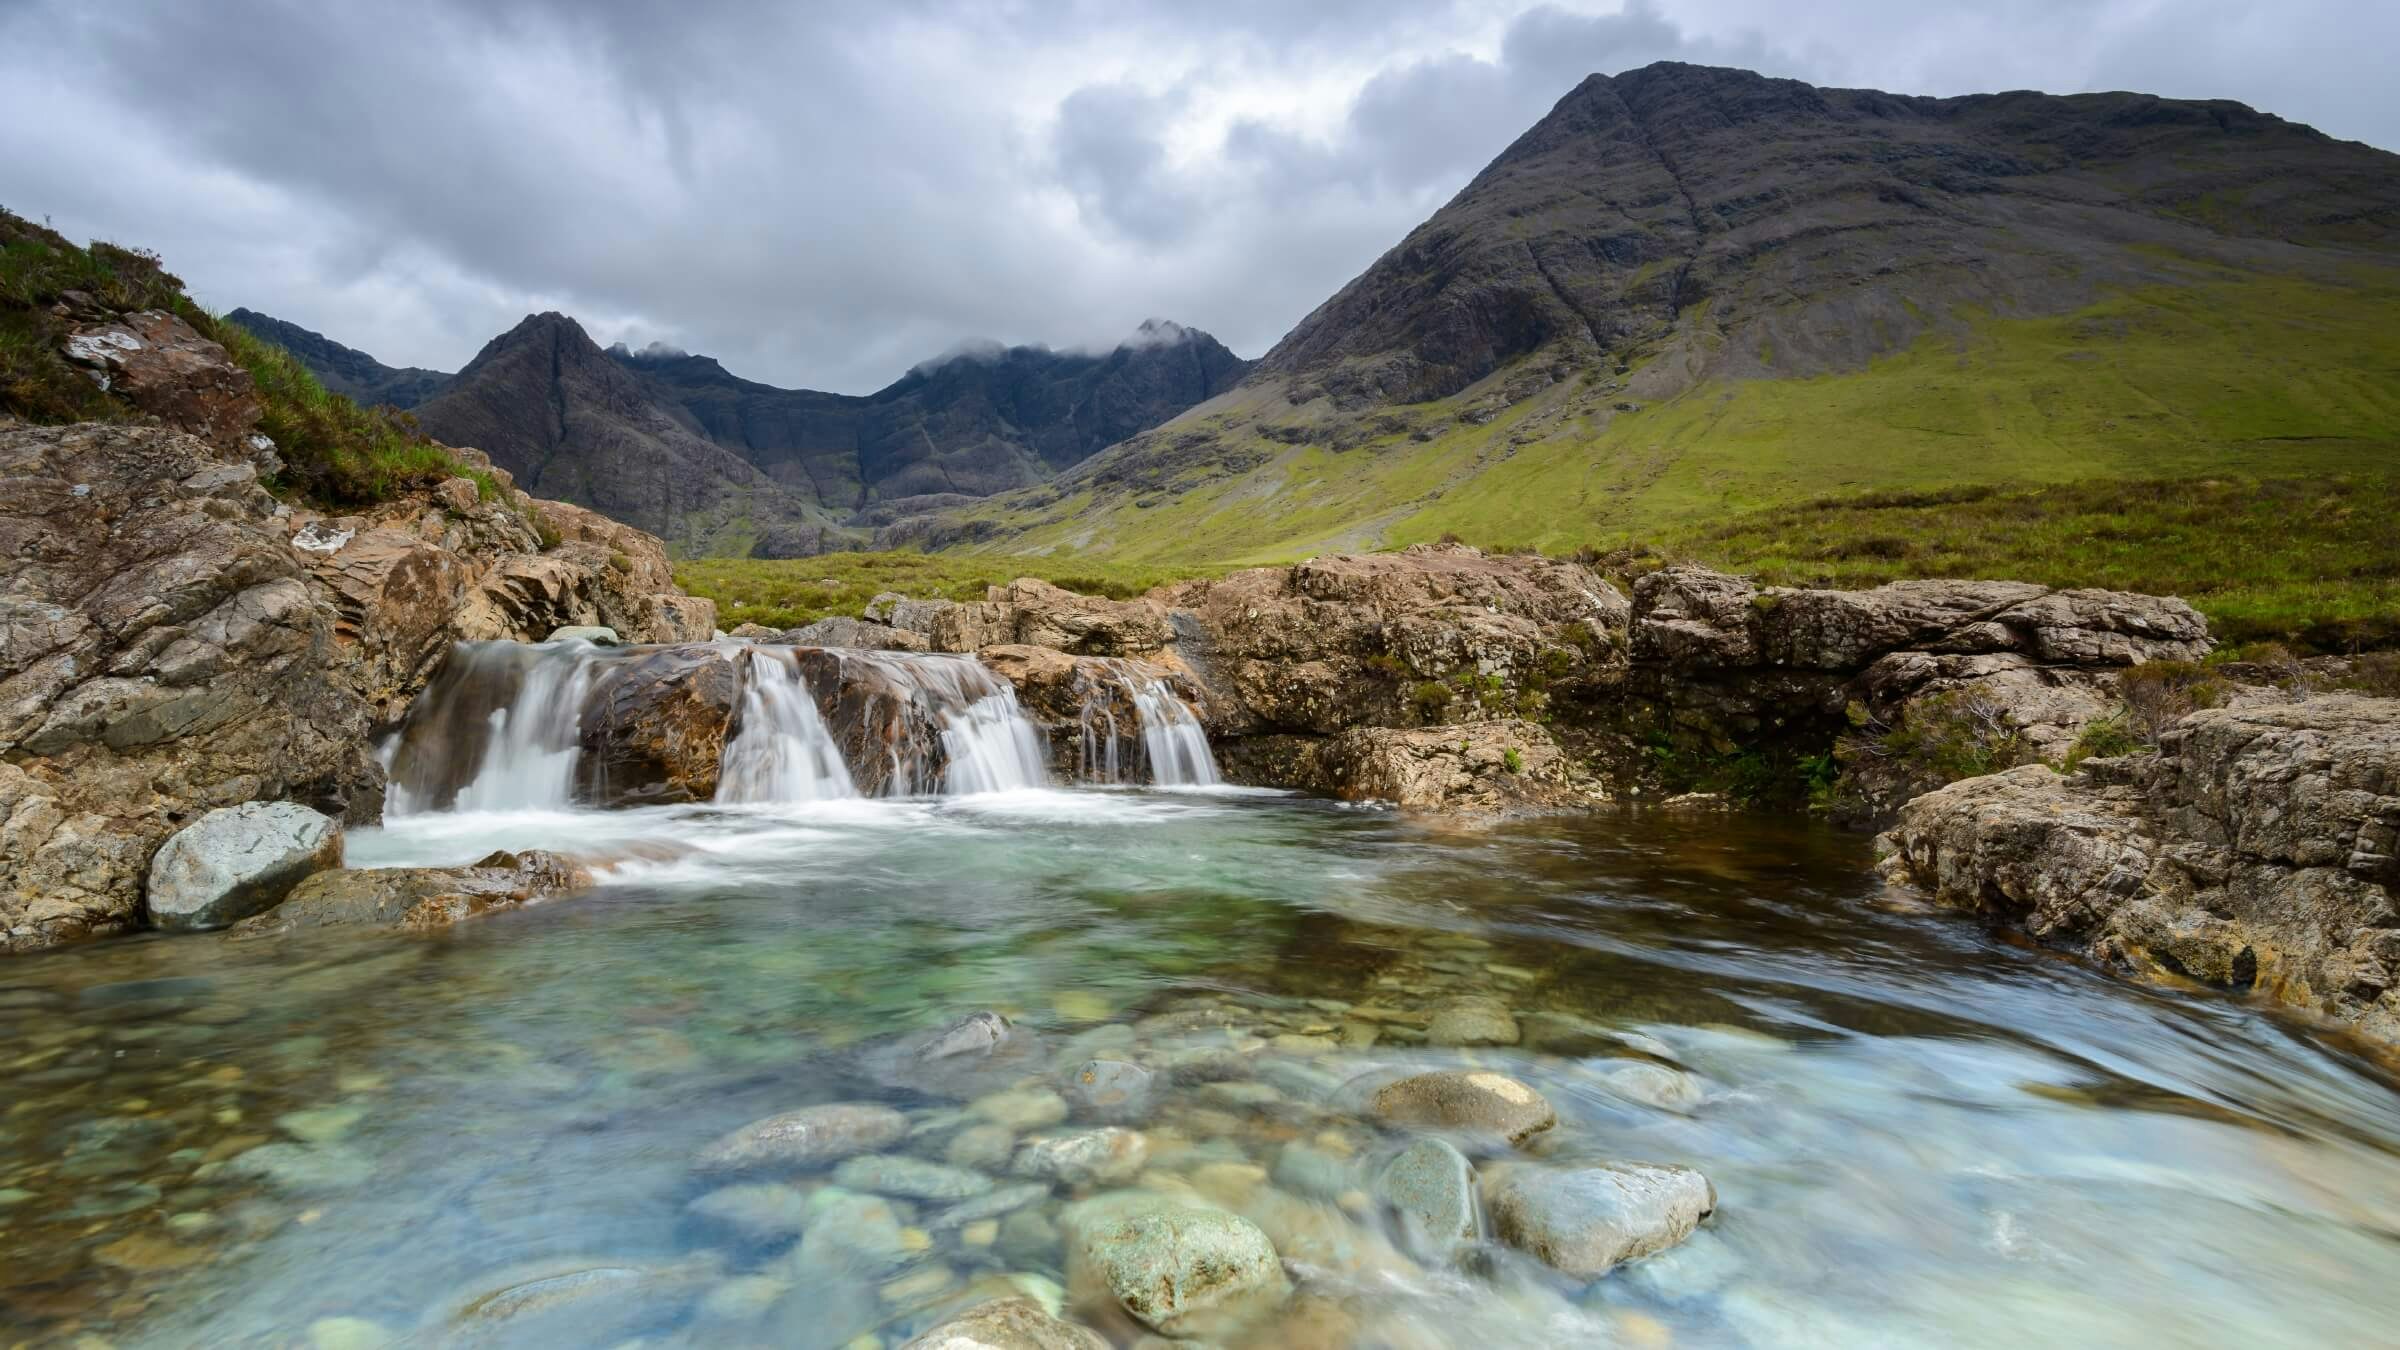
x: 510, y: 726
x: 1125, y: 702
x: 1177, y: 746
x: 992, y: 747
x: 497, y: 731
x: 782, y: 751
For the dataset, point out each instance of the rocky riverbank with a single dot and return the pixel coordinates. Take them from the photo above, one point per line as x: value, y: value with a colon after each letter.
x: 176, y: 638
x: 2257, y: 849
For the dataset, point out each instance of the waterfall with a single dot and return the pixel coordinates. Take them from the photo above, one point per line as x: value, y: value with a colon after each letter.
x: 496, y: 731
x: 992, y: 746
x: 508, y: 726
x: 1173, y: 738
x: 1123, y: 701
x: 782, y: 751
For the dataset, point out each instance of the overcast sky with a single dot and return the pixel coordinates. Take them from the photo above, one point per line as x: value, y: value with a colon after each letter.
x: 823, y: 194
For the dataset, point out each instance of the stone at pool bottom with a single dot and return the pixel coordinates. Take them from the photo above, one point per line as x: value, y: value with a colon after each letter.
x: 811, y: 1136
x: 1583, y: 1221
x: 1432, y: 1185
x: 1174, y: 1267
x: 1471, y: 1019
x: 1007, y: 1324
x: 910, y: 1178
x: 1476, y: 1100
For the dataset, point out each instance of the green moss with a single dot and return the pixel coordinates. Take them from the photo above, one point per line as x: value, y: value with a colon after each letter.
x: 2102, y: 738
x: 335, y: 453
x: 2170, y: 439
x: 1512, y: 760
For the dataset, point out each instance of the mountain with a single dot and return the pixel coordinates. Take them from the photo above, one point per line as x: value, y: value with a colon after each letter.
x: 677, y: 445
x: 346, y: 370
x: 976, y: 422
x: 548, y: 405
x: 1691, y: 291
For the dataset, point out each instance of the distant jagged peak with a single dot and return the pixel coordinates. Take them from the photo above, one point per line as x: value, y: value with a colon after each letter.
x: 982, y: 349
x: 1158, y: 333
x: 654, y: 350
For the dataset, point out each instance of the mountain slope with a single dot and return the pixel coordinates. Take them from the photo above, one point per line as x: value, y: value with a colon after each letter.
x: 1689, y: 291
x: 345, y: 370
x: 975, y: 423
x: 554, y: 410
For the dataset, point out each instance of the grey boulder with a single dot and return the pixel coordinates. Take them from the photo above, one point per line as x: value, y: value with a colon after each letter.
x: 1583, y: 1221
x: 237, y: 861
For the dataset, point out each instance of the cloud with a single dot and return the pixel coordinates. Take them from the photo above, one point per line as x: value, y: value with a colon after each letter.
x: 818, y: 194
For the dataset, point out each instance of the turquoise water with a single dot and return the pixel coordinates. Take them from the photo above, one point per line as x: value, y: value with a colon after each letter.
x: 1920, y: 1132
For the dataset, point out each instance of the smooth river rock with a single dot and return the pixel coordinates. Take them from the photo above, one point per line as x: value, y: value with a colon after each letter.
x: 1472, y: 1019
x: 1108, y: 1154
x: 1467, y: 1100
x: 1112, y: 1091
x: 1432, y: 1187
x: 1173, y: 1267
x: 1585, y: 1220
x: 237, y: 861
x: 761, y: 1212
x: 811, y: 1136
x: 910, y: 1178
x: 1007, y: 1324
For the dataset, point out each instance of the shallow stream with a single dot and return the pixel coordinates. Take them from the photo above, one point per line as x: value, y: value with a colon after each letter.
x: 1919, y: 1133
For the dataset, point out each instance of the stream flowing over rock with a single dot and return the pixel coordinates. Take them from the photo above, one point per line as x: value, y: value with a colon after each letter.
x: 174, y: 639
x: 2259, y: 848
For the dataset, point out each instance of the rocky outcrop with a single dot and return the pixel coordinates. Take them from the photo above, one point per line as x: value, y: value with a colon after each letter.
x: 419, y: 899
x: 1501, y: 767
x: 2258, y: 849
x: 1720, y: 666
x: 159, y: 364
x: 175, y: 639
x: 238, y: 860
x: 1445, y: 678
x: 654, y: 729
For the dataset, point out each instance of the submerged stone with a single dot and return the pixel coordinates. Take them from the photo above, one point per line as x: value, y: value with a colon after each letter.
x: 991, y: 1204
x: 1583, y: 1221
x: 1175, y: 1268
x: 1031, y: 1108
x: 1467, y: 1100
x: 912, y: 1178
x: 811, y: 1136
x: 761, y: 1212
x: 1007, y: 1324
x: 1432, y: 1187
x: 973, y: 1035
x: 1109, y: 1153
x: 1471, y: 1020
x: 1113, y: 1091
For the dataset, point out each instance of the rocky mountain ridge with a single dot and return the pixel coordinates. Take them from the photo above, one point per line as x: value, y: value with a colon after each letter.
x: 1704, y: 238
x: 719, y: 464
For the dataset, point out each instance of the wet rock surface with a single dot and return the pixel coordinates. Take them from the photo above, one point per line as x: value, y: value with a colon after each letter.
x: 418, y: 899
x: 238, y: 860
x: 2254, y: 851
x: 1479, y: 1101
x: 1172, y: 1267
x: 1584, y: 1221
x: 178, y: 640
x: 811, y: 1136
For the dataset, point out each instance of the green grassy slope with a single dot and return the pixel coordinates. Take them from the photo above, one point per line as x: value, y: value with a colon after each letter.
x: 2256, y: 376
x: 2235, y: 440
